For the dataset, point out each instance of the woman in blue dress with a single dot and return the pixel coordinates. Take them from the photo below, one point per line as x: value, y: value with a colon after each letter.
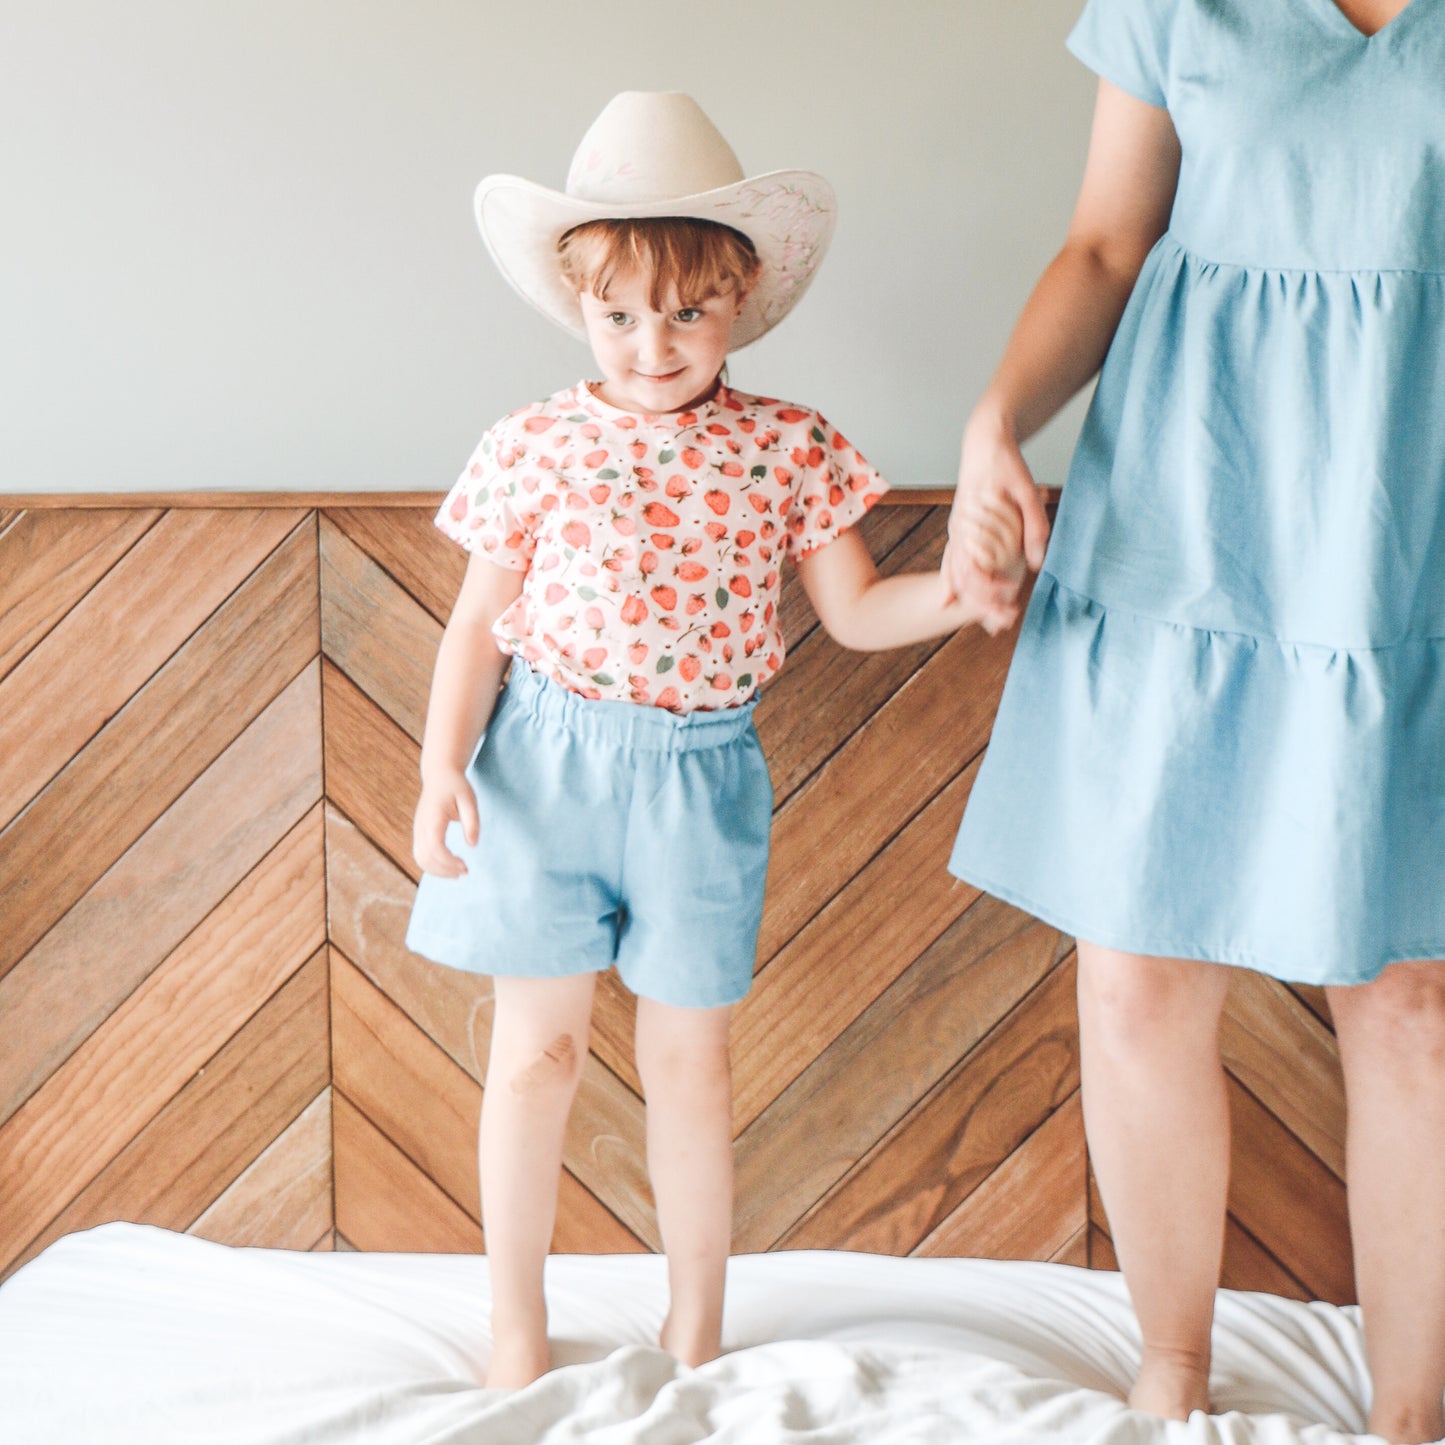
x: 1222, y: 741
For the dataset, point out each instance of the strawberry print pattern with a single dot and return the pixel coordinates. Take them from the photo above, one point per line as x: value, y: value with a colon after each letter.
x: 652, y: 544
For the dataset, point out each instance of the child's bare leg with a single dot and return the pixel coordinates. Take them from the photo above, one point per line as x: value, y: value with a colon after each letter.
x: 1392, y: 1046
x: 682, y: 1057
x: 1157, y: 1115
x: 539, y: 1042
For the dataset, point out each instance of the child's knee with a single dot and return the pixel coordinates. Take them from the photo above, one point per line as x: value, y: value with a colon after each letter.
x: 555, y: 1069
x: 674, y: 1067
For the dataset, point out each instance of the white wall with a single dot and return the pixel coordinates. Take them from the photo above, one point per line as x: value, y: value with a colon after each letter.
x: 237, y: 249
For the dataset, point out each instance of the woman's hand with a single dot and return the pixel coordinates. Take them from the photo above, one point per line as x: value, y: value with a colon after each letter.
x: 445, y: 798
x: 997, y: 529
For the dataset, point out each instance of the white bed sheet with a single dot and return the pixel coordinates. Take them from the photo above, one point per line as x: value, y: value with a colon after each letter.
x: 133, y: 1334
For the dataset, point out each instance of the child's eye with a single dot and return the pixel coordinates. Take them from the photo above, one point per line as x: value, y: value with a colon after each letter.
x: 689, y: 314
x: 618, y: 318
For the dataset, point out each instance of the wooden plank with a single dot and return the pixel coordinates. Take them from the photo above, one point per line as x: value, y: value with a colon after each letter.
x: 283, y: 1200
x: 369, y: 901
x: 428, y: 1106
x: 119, y: 634
x: 1075, y: 1251
x: 428, y: 500
x: 368, y: 904
x: 798, y: 735
x: 372, y: 767
x: 886, y: 772
x: 1032, y: 1206
x: 385, y: 642
x: 162, y: 887
x: 405, y: 541
x: 49, y: 561
x: 1281, y: 1052
x: 182, y: 1015
x: 1290, y: 1202
x: 158, y: 744
x: 384, y: 1202
x: 1316, y: 1000
x: 842, y: 960
x: 235, y: 1105
x: 918, y: 1174
x: 87, y: 501
x: 407, y: 1086
x: 614, y: 1029
x: 1249, y: 1265
x: 1101, y: 1250
x: 822, y: 1124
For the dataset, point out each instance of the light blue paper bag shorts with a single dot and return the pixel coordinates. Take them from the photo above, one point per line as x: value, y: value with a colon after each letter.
x: 611, y: 833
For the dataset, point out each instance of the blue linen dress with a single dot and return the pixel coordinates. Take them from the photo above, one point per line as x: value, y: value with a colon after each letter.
x: 1223, y: 734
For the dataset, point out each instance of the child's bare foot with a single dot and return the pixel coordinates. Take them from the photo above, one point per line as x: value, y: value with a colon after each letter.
x: 517, y: 1360
x: 1171, y: 1385
x: 694, y: 1344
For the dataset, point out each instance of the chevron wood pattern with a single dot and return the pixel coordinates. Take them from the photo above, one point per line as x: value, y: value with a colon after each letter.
x: 208, y: 1019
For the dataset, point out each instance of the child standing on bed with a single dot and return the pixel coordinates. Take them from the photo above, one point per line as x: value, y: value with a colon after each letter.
x: 626, y: 539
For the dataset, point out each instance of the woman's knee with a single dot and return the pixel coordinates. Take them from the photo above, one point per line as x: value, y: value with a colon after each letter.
x: 1138, y: 1004
x: 1400, y: 1013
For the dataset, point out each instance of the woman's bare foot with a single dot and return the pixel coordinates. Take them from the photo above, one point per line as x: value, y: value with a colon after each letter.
x: 692, y: 1345
x: 1407, y: 1427
x: 517, y: 1360
x: 1171, y: 1385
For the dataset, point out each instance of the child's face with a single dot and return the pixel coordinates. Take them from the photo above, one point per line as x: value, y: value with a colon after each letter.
x: 657, y: 361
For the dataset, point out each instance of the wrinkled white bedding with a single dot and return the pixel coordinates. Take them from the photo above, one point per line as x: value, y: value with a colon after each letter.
x: 133, y: 1334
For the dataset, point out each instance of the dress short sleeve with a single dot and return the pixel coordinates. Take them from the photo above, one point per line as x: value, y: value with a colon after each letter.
x: 489, y: 509
x: 836, y: 487
x: 1127, y: 42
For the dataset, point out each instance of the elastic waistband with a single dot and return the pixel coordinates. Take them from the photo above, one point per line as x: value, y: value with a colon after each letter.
x: 624, y: 724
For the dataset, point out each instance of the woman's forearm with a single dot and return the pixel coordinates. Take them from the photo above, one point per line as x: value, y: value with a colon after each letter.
x: 1060, y: 341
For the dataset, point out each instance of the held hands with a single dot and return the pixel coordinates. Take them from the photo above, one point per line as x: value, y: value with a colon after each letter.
x: 445, y: 798
x: 997, y: 530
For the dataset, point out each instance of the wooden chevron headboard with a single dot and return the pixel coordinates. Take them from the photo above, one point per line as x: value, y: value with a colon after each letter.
x: 211, y: 712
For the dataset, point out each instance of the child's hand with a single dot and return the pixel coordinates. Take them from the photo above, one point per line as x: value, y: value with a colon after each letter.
x: 445, y: 798
x: 997, y: 529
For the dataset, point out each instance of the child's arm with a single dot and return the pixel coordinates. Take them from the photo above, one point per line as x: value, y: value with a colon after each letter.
x: 1066, y: 326
x: 867, y: 612
x: 464, y: 686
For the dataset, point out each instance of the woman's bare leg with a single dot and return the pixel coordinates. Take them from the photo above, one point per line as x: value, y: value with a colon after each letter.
x: 539, y: 1043
x: 1392, y: 1046
x: 1156, y: 1111
x: 682, y: 1056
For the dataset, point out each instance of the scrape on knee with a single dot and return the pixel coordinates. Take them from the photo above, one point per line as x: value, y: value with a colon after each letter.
x: 554, y: 1066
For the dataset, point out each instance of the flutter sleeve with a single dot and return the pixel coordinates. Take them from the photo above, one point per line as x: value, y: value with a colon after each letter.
x: 1127, y: 42
x: 836, y: 487
x: 490, y: 509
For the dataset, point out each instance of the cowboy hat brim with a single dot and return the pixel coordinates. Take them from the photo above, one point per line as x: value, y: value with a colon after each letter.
x: 787, y: 215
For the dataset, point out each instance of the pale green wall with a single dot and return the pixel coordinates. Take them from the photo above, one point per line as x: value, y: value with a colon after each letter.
x: 236, y: 243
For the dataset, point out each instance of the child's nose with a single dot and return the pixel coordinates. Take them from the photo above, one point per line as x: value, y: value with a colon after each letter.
x: 655, y: 342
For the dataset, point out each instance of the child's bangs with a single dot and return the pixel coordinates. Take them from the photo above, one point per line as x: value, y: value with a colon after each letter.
x: 695, y: 259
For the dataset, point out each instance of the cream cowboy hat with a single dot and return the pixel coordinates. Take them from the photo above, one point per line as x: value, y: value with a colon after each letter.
x: 657, y: 154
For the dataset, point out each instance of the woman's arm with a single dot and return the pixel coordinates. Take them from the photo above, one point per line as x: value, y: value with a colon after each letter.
x: 867, y: 612
x: 464, y: 686
x: 1066, y: 325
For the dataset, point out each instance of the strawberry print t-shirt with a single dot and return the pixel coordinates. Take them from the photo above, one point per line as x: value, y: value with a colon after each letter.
x: 652, y: 544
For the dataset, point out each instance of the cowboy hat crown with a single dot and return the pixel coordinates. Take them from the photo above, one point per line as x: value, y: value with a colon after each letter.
x: 651, y: 154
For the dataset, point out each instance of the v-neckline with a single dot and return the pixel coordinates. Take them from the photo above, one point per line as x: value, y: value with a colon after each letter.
x: 1365, y: 36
